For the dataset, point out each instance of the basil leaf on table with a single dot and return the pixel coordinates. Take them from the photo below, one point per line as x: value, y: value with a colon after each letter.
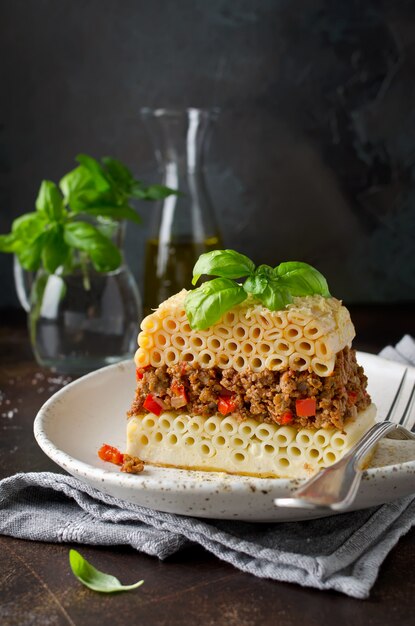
x: 301, y: 279
x: 223, y: 263
x: 92, y: 578
x: 206, y: 304
x: 104, y: 255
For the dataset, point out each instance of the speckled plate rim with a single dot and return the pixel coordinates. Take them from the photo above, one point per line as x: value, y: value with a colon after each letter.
x: 197, y: 480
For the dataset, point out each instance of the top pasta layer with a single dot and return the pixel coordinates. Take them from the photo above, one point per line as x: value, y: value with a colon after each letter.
x: 307, y: 334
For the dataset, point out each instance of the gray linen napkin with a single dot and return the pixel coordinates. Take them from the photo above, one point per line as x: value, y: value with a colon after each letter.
x: 404, y: 351
x: 341, y: 552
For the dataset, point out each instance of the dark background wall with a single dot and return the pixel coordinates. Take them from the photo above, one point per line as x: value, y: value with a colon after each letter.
x: 312, y: 158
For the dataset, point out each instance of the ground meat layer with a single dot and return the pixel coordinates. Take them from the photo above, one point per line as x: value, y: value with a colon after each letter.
x: 266, y: 396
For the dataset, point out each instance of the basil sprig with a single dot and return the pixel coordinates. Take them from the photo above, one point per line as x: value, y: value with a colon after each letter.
x: 92, y: 578
x: 61, y: 224
x: 274, y: 287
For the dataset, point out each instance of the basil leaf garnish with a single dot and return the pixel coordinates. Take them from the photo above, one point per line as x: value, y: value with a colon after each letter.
x: 92, y: 578
x: 223, y: 263
x: 301, y: 279
x: 206, y: 304
x: 275, y: 297
x: 273, y: 287
x: 255, y: 284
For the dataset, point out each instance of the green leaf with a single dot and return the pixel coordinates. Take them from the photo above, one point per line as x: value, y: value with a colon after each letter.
x: 104, y: 255
x: 92, y: 578
x: 55, y: 250
x: 275, y: 297
x: 30, y: 255
x: 93, y: 189
x: 86, y: 198
x: 223, y: 263
x: 8, y: 243
x: 158, y: 192
x: 264, y: 284
x: 206, y: 304
x: 74, y: 184
x: 257, y: 282
x: 153, y: 192
x: 119, y: 174
x: 114, y: 212
x: 50, y: 201
x: 101, y: 182
x: 301, y: 279
x: 28, y: 227
x: 30, y: 232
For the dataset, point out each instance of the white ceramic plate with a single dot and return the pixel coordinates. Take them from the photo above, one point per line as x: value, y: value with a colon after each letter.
x: 78, y: 419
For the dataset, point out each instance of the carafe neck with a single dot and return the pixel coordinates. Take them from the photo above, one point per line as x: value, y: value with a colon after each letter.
x: 179, y: 139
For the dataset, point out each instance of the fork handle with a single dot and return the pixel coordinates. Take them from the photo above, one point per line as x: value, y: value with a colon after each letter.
x: 336, y: 486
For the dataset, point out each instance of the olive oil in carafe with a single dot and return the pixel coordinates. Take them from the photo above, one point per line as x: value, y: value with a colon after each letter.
x: 169, y: 268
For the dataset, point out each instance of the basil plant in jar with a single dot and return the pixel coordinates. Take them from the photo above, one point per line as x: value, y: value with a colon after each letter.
x: 83, y: 305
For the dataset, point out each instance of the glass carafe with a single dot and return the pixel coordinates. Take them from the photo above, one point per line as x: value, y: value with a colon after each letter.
x: 183, y: 225
x: 83, y: 319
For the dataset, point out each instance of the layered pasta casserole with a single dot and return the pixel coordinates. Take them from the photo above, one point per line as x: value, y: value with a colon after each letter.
x: 259, y: 392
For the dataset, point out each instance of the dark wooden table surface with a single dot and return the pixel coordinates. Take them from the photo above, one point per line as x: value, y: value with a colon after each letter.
x: 193, y: 587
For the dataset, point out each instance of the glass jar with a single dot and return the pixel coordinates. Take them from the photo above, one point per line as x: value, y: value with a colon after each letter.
x: 184, y: 225
x: 82, y: 320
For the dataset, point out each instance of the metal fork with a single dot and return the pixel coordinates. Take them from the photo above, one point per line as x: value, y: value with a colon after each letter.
x: 336, y: 486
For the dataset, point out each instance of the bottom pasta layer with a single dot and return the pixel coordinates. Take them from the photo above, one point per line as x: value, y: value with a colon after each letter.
x: 243, y: 447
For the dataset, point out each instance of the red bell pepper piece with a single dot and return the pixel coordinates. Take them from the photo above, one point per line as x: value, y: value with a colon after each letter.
x: 305, y: 407
x: 153, y: 405
x: 110, y: 454
x: 226, y: 404
x: 286, y: 418
x: 139, y: 372
x: 352, y: 396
